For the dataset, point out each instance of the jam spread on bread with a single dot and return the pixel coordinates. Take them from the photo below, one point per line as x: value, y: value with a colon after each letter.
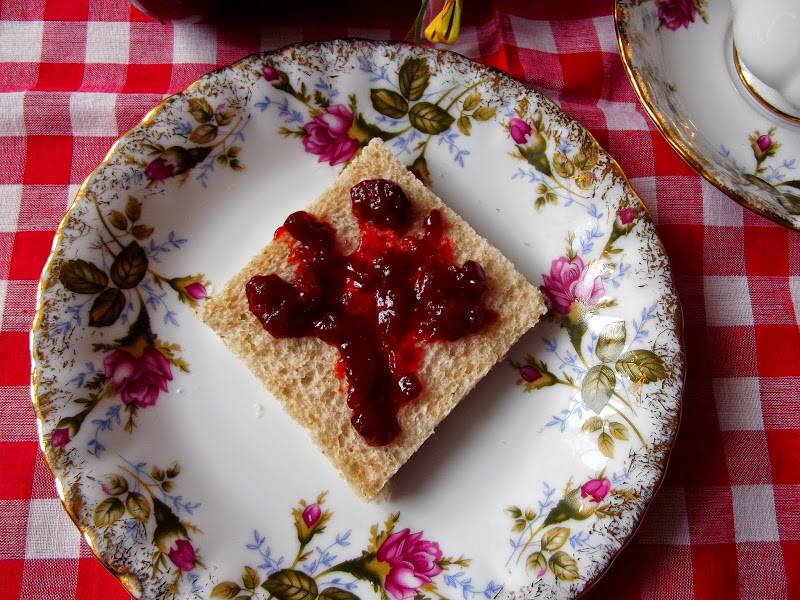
x: 378, y: 305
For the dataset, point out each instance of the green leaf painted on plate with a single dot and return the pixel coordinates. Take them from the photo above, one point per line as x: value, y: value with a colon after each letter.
x: 250, y: 578
x: 204, y: 134
x: 224, y: 117
x: 82, y: 277
x: 605, y: 443
x: 471, y: 102
x: 138, y: 506
x: 554, y: 538
x: 133, y: 208
x: 141, y: 231
x: 334, y: 593
x: 618, y: 430
x: 429, y: 118
x: 108, y: 511
x: 106, y: 308
x: 592, y: 424
x: 597, y: 386
x: 129, y: 267
x: 641, y: 366
x: 226, y: 590
x: 288, y: 584
x: 464, y: 125
x: 413, y: 78
x: 564, y: 566
x: 200, y: 109
x: 420, y: 168
x: 115, y: 485
x: 484, y: 113
x: 515, y: 512
x: 537, y: 563
x: 611, y: 341
x: 118, y: 220
x: 562, y: 165
x: 389, y: 103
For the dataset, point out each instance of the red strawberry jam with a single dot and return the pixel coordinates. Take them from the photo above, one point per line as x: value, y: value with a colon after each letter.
x: 377, y: 305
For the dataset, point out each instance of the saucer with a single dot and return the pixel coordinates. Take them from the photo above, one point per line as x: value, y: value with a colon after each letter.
x: 683, y: 66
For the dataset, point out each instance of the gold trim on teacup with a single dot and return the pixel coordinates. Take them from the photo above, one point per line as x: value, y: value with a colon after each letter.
x: 686, y: 152
x: 748, y: 84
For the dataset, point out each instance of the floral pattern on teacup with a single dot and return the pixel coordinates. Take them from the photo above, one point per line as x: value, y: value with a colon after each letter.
x: 674, y: 14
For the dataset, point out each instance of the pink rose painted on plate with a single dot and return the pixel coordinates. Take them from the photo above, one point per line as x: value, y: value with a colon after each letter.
x: 270, y: 73
x: 764, y: 142
x: 190, y: 289
x: 675, y: 14
x: 138, y: 380
x: 413, y: 562
x: 596, y: 489
x: 533, y: 373
x: 519, y: 130
x: 311, y: 515
x: 326, y: 135
x: 627, y: 215
x: 182, y: 555
x: 175, y: 160
x: 158, y: 169
x: 529, y: 374
x: 60, y: 437
x: 196, y: 291
x: 571, y: 281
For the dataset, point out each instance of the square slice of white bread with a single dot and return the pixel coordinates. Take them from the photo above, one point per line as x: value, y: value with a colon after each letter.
x: 300, y: 371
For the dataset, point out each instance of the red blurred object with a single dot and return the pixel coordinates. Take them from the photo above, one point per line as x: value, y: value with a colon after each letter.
x: 175, y: 10
x: 264, y: 12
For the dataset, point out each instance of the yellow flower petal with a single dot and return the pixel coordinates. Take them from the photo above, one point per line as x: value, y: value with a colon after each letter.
x: 444, y: 27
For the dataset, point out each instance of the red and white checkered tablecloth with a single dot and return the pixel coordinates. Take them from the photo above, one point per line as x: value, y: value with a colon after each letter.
x: 75, y: 74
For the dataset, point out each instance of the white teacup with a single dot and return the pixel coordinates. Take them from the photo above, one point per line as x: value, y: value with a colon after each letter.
x: 766, y: 34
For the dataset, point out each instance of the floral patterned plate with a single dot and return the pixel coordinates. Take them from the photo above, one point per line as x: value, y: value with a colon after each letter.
x: 680, y: 58
x: 186, y: 477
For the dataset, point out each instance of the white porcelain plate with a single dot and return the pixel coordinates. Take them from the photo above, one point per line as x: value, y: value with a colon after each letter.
x: 679, y: 56
x: 187, y: 478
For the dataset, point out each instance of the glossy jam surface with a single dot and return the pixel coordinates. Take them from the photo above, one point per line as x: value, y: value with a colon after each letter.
x: 378, y: 305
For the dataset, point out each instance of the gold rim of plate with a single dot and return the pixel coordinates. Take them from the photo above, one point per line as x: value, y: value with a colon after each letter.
x: 71, y: 506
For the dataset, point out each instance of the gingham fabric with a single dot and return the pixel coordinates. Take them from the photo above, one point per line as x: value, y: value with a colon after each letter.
x: 75, y: 74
